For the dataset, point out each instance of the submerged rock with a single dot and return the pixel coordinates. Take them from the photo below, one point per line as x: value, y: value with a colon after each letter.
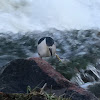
x: 35, y: 72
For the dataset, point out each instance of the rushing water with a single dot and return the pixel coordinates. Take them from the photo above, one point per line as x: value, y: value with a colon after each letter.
x: 30, y: 15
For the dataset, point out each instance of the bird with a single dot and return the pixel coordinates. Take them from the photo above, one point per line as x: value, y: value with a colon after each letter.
x: 47, y: 47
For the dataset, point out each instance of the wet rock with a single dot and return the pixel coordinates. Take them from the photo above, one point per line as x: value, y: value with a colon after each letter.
x: 95, y: 88
x: 91, y: 74
x: 80, y: 94
x: 20, y: 73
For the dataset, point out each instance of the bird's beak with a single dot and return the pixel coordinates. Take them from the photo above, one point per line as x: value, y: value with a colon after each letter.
x: 58, y: 58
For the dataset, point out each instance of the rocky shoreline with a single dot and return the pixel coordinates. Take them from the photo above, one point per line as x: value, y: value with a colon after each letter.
x: 35, y: 72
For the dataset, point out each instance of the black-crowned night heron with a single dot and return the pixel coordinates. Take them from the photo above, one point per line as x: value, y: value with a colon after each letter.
x: 46, y: 47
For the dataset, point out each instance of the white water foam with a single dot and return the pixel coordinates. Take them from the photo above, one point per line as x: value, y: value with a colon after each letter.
x: 29, y: 15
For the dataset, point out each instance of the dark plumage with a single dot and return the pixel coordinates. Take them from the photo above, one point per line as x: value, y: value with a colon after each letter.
x: 41, y: 40
x: 49, y: 41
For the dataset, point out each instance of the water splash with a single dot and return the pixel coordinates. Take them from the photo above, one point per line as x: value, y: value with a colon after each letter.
x: 29, y: 15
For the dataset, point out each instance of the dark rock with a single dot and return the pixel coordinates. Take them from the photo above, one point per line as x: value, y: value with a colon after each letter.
x: 95, y: 88
x: 79, y: 95
x: 20, y: 73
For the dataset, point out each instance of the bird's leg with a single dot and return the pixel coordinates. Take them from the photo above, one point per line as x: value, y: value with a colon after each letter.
x: 58, y: 57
